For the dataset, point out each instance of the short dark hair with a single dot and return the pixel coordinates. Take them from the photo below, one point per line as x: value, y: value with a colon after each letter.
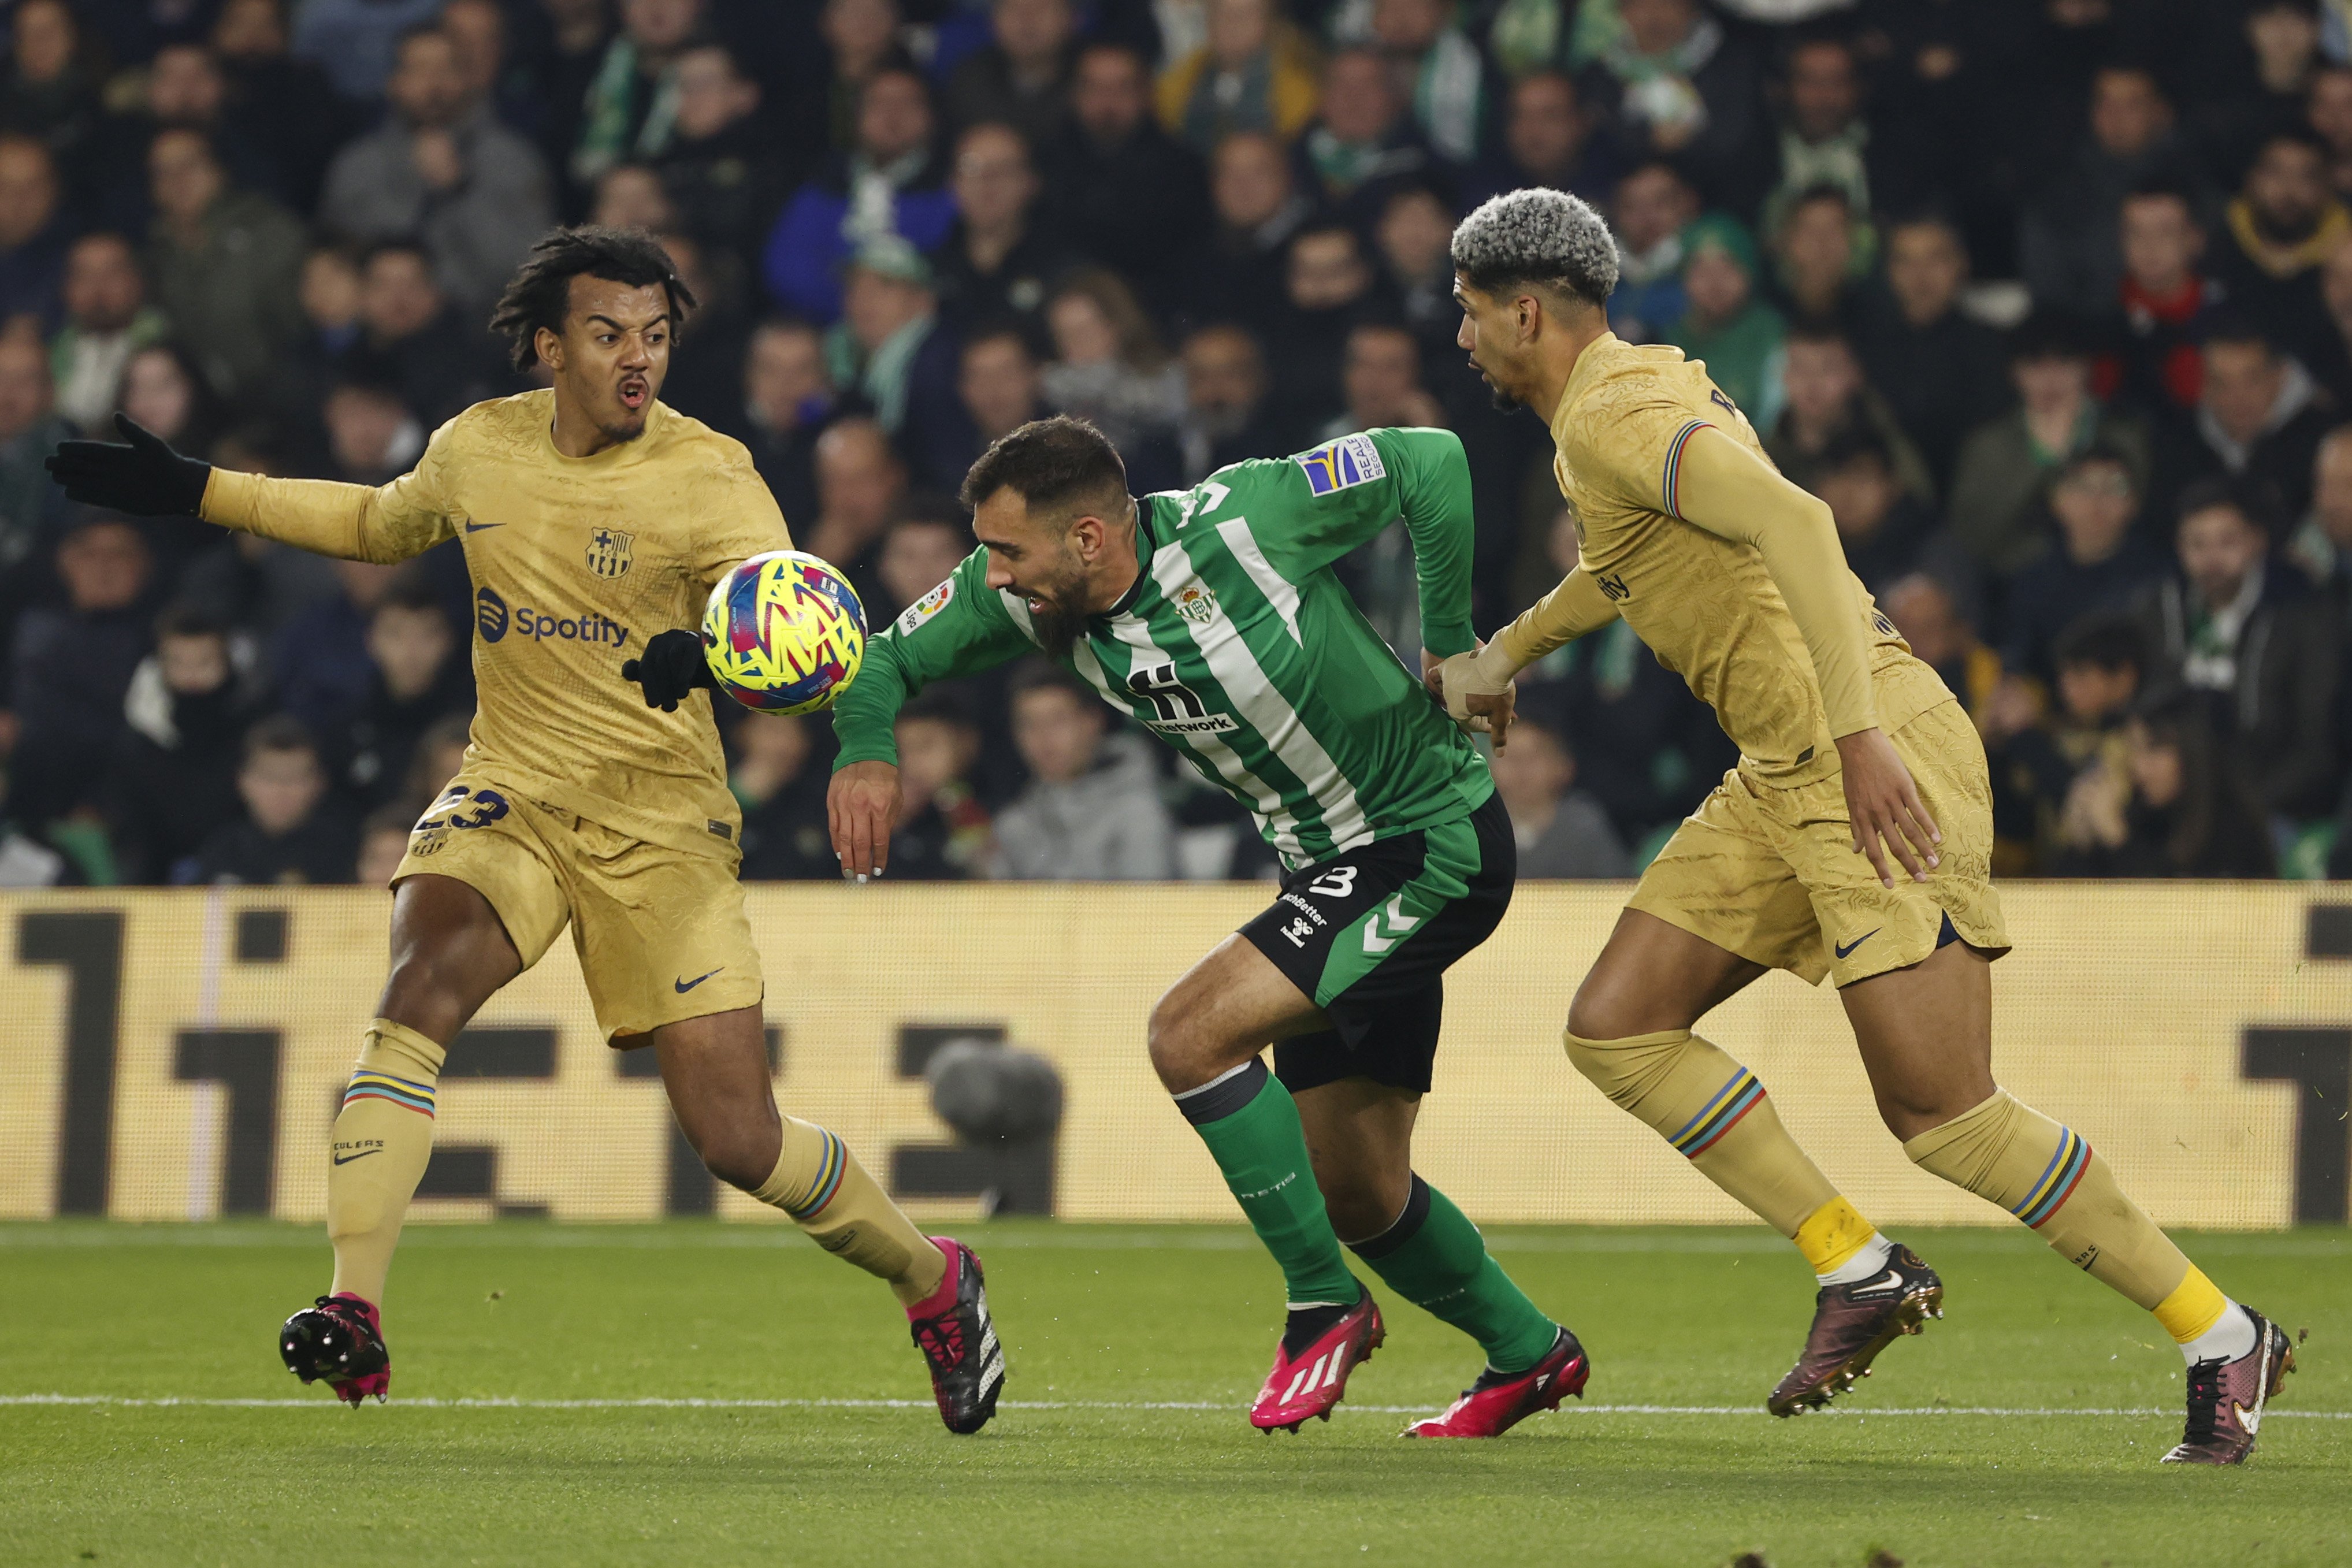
x: 2221, y: 495
x: 540, y: 293
x: 947, y: 703
x: 1052, y: 464
x: 411, y: 592
x: 2107, y: 640
x: 396, y: 246
x: 2232, y: 325
x: 190, y: 618
x: 1854, y: 446
x: 1044, y: 675
x: 279, y: 733
x: 1825, y: 330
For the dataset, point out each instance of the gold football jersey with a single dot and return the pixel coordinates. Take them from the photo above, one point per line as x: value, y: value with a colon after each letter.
x: 1706, y: 605
x: 575, y: 563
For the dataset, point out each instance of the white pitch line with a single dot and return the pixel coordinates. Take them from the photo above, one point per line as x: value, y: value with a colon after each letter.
x: 115, y: 1401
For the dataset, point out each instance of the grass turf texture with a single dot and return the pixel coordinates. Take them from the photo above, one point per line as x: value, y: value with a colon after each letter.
x: 1114, y: 1333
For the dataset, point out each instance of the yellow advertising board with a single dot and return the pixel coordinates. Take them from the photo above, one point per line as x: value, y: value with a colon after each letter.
x: 178, y: 1055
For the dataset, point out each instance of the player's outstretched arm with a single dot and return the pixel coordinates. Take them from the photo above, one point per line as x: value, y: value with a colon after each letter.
x: 1479, y: 687
x: 1346, y: 492
x: 1727, y: 489
x: 354, y: 522
x: 861, y: 807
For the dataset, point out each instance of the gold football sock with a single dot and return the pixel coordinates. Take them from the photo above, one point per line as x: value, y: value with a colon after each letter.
x: 2047, y: 1176
x: 1714, y: 1112
x: 382, y: 1138
x: 820, y: 1183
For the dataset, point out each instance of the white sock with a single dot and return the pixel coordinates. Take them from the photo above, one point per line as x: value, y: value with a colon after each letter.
x: 2231, y: 1336
x: 1867, y: 1260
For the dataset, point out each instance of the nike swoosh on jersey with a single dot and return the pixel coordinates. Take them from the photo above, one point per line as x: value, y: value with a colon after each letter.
x: 473, y: 527
x: 1845, y: 947
x: 685, y: 985
x: 347, y: 1159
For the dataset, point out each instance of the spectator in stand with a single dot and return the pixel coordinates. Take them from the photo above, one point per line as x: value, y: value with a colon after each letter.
x: 1001, y: 388
x: 631, y: 195
x: 2167, y: 302
x: 419, y: 677
x: 1108, y: 364
x: 108, y: 319
x: 318, y: 662
x: 373, y: 438
x: 1927, y: 609
x: 2322, y: 545
x: 1941, y: 371
x: 1736, y: 333
x: 2099, y: 666
x: 285, y: 104
x: 2249, y: 635
x: 889, y: 183
x: 2101, y: 562
x: 1255, y: 72
x: 860, y: 480
x: 2258, y: 419
x: 724, y: 166
x: 1819, y: 250
x: 890, y: 347
x: 356, y: 42
x: 862, y: 38
x: 1685, y: 87
x: 1563, y: 832
x: 186, y: 90
x: 1225, y: 417
x: 51, y: 91
x: 1362, y: 141
x: 926, y: 542
x: 33, y: 238
x: 226, y: 265
x: 996, y: 262
x: 2284, y: 222
x: 780, y: 781
x: 2178, y: 808
x: 943, y: 832
x: 1021, y: 78
x: 631, y: 108
x: 293, y: 831
x: 1548, y: 139
x: 2006, y: 463
x: 705, y: 355
x: 442, y: 173
x: 1414, y: 237
x: 30, y: 506
x: 1444, y: 76
x: 1822, y: 140
x: 1091, y: 809
x: 1654, y: 203
x: 1885, y: 532
x: 383, y: 844
x: 2280, y: 40
x: 1117, y: 187
x: 1329, y: 287
x: 787, y: 398
x: 414, y: 338
x: 439, y: 756
x: 1380, y: 386
x: 1827, y: 400
x: 2328, y: 112
x: 171, y: 783
x: 1236, y: 269
x: 70, y: 666
x: 2066, y: 236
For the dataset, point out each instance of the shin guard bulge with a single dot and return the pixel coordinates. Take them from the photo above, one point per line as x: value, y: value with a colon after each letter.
x: 381, y: 1140
x: 819, y: 1183
x: 1715, y: 1112
x: 2047, y: 1175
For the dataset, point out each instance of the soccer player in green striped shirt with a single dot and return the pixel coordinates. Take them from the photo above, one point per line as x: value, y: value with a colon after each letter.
x: 1213, y: 616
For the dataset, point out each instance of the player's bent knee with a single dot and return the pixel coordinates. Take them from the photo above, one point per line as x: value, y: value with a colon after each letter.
x: 743, y: 1157
x: 1626, y: 1067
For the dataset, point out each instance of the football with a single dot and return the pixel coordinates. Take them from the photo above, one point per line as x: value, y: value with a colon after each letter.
x: 783, y: 633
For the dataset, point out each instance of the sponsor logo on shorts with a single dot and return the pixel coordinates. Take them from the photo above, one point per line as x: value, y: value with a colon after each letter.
x: 494, y: 621
x: 1348, y: 461
x: 924, y: 608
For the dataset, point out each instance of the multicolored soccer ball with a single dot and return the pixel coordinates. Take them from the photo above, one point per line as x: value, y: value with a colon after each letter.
x: 783, y: 633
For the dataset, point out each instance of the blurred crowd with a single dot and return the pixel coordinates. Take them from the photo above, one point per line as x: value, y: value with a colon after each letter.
x: 2049, y: 301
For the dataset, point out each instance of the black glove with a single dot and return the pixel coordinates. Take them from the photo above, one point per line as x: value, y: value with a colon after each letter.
x: 673, y: 667
x: 146, y: 478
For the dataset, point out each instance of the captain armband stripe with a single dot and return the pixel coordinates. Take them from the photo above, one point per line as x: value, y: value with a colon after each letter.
x: 1672, y: 483
x: 1722, y: 1112
x: 2057, y: 1181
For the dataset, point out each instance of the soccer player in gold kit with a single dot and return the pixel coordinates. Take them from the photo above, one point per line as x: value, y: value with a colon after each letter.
x: 1852, y: 839
x: 595, y: 522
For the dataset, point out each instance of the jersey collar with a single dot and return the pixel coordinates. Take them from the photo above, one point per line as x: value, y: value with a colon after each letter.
x: 1146, y: 547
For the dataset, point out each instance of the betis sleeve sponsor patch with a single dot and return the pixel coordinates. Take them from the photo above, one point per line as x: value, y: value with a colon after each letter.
x: 1348, y: 461
x: 924, y: 608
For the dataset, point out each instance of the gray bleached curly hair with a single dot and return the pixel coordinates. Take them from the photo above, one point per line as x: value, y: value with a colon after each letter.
x: 1540, y: 236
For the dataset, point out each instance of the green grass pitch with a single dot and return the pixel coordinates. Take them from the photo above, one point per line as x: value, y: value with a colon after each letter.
x: 785, y: 1419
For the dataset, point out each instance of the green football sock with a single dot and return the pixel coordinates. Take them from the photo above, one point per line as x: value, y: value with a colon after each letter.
x: 1434, y: 1258
x: 1251, y: 1125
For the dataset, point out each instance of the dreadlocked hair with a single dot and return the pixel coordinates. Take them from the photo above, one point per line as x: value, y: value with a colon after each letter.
x: 540, y: 293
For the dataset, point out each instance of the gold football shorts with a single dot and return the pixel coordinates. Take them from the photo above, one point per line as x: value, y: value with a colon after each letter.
x: 661, y: 933
x: 1771, y: 874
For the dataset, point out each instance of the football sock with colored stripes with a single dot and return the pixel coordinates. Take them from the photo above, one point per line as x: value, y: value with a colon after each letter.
x: 2048, y: 1176
x: 1251, y: 1125
x: 1715, y: 1112
x: 819, y: 1183
x: 1434, y: 1258
x: 382, y: 1138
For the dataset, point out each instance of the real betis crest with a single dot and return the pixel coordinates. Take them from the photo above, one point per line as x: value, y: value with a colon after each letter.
x: 1196, y: 604
x: 608, y: 552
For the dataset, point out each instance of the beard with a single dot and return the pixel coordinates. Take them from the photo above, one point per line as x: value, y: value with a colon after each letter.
x: 1058, y: 629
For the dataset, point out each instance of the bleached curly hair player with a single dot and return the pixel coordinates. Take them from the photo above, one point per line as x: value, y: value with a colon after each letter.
x: 1537, y: 237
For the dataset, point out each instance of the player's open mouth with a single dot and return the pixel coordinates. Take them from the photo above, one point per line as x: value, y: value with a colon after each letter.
x: 633, y: 393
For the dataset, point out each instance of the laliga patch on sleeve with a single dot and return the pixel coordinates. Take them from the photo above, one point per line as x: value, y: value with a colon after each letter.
x: 924, y: 608
x: 1349, y: 460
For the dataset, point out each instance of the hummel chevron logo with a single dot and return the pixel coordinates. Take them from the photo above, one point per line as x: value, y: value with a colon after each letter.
x: 1399, y: 922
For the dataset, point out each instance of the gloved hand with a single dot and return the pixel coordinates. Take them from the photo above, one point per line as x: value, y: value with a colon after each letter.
x: 145, y: 479
x: 673, y: 665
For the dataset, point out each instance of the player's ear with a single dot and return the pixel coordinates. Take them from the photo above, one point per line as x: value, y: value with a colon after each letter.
x: 1530, y: 316
x: 549, y: 347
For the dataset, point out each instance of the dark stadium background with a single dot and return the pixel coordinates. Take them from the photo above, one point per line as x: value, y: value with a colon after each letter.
x: 2012, y: 284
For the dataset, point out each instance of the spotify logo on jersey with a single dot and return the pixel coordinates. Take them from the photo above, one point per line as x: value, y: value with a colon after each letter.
x: 490, y: 617
x: 489, y: 614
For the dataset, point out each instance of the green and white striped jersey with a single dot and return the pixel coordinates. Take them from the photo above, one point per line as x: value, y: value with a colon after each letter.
x: 1239, y: 647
